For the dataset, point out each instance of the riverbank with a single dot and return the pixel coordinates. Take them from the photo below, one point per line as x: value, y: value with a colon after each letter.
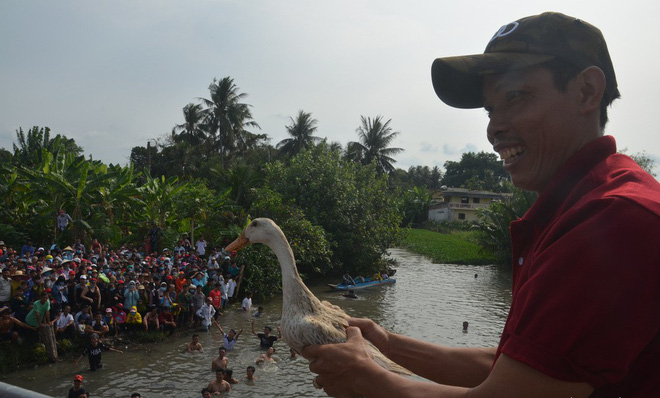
x: 27, y: 355
x: 456, y: 247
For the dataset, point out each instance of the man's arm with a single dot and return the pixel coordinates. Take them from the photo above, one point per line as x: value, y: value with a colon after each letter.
x: 467, y: 366
x: 349, y: 370
x: 21, y: 324
x: 217, y: 325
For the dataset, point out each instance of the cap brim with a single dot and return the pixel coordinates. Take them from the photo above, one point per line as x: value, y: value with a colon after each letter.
x: 458, y: 81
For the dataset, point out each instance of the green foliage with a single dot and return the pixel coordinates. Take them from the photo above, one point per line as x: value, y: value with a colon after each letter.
x: 350, y: 202
x: 493, y: 224
x: 415, y: 205
x: 446, y: 248
x: 262, y: 274
x: 31, y: 145
x: 644, y: 161
x: 308, y: 242
x: 476, y: 171
x: 17, y: 356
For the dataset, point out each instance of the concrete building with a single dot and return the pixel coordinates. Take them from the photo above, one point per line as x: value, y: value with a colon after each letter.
x: 459, y: 204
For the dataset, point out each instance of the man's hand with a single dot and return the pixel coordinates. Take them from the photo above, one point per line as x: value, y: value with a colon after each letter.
x: 339, y: 366
x: 373, y: 332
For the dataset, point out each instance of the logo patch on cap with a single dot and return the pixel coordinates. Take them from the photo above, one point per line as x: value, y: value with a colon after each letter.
x: 505, y: 30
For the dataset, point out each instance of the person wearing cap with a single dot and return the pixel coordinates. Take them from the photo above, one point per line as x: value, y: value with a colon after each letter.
x: 585, y: 312
x: 109, y: 319
x: 77, y: 390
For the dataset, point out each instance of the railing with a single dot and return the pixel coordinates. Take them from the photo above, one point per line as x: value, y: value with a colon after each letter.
x: 473, y: 206
x: 9, y: 391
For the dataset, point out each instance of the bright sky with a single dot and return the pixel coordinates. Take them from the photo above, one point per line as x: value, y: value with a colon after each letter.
x: 114, y: 74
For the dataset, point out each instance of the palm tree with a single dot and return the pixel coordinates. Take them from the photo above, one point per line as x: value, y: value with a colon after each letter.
x: 375, y: 136
x: 300, y: 130
x: 227, y: 117
x: 191, y: 131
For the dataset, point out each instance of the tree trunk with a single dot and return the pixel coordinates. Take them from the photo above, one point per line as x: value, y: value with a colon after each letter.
x: 47, y: 336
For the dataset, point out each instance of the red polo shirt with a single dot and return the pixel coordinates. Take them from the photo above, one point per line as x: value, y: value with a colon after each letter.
x: 586, y: 277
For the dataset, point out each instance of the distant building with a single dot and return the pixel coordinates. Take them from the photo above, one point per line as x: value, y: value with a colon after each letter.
x: 459, y: 204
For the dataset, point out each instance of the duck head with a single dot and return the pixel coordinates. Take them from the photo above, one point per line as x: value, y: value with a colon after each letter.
x: 260, y: 230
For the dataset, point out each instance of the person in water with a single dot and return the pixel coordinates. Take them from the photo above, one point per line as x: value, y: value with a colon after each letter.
x: 219, y: 384
x: 94, y: 353
x: 194, y: 344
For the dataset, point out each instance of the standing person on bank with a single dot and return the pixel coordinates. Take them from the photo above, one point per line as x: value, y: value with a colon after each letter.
x: 585, y: 316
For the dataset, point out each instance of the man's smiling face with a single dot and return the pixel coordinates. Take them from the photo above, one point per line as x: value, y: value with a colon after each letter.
x: 532, y: 124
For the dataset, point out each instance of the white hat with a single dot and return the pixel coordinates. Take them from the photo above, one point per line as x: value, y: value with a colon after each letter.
x: 83, y: 276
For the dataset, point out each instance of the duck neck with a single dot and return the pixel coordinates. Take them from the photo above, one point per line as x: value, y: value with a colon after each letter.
x: 292, y: 284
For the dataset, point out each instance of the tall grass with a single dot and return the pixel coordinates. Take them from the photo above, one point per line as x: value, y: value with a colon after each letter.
x: 452, y: 248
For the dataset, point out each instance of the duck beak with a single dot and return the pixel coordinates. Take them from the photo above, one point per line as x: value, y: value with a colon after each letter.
x: 238, y: 244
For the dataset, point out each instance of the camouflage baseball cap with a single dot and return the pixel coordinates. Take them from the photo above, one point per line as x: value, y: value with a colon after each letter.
x: 526, y: 42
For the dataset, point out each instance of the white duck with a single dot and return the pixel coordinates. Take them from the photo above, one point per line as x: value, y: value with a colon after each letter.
x: 305, y: 319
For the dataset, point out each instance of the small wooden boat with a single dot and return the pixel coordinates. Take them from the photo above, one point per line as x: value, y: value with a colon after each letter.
x: 362, y: 284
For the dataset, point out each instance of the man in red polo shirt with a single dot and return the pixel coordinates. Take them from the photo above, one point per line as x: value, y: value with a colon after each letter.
x: 585, y: 315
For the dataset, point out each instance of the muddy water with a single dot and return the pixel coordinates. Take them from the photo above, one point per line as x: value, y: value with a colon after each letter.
x: 428, y: 302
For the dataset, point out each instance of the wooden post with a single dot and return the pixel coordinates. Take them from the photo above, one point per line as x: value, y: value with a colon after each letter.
x: 47, y: 336
x: 238, y: 284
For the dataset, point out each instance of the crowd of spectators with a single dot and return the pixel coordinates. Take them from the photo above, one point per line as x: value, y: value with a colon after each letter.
x: 82, y: 290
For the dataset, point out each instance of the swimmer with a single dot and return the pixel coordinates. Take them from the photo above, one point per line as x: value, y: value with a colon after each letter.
x: 228, y: 377
x: 221, y: 362
x: 249, y: 373
x: 194, y: 345
x: 219, y: 384
x: 229, y: 339
x: 266, y: 357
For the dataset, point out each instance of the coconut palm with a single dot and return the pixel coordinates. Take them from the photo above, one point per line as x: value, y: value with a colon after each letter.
x: 374, y: 138
x: 190, y: 131
x: 300, y: 130
x: 227, y: 118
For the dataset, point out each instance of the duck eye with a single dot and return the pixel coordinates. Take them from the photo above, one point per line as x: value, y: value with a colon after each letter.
x: 255, y: 223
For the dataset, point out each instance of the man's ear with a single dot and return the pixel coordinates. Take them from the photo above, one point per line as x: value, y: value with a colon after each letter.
x: 592, y: 88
